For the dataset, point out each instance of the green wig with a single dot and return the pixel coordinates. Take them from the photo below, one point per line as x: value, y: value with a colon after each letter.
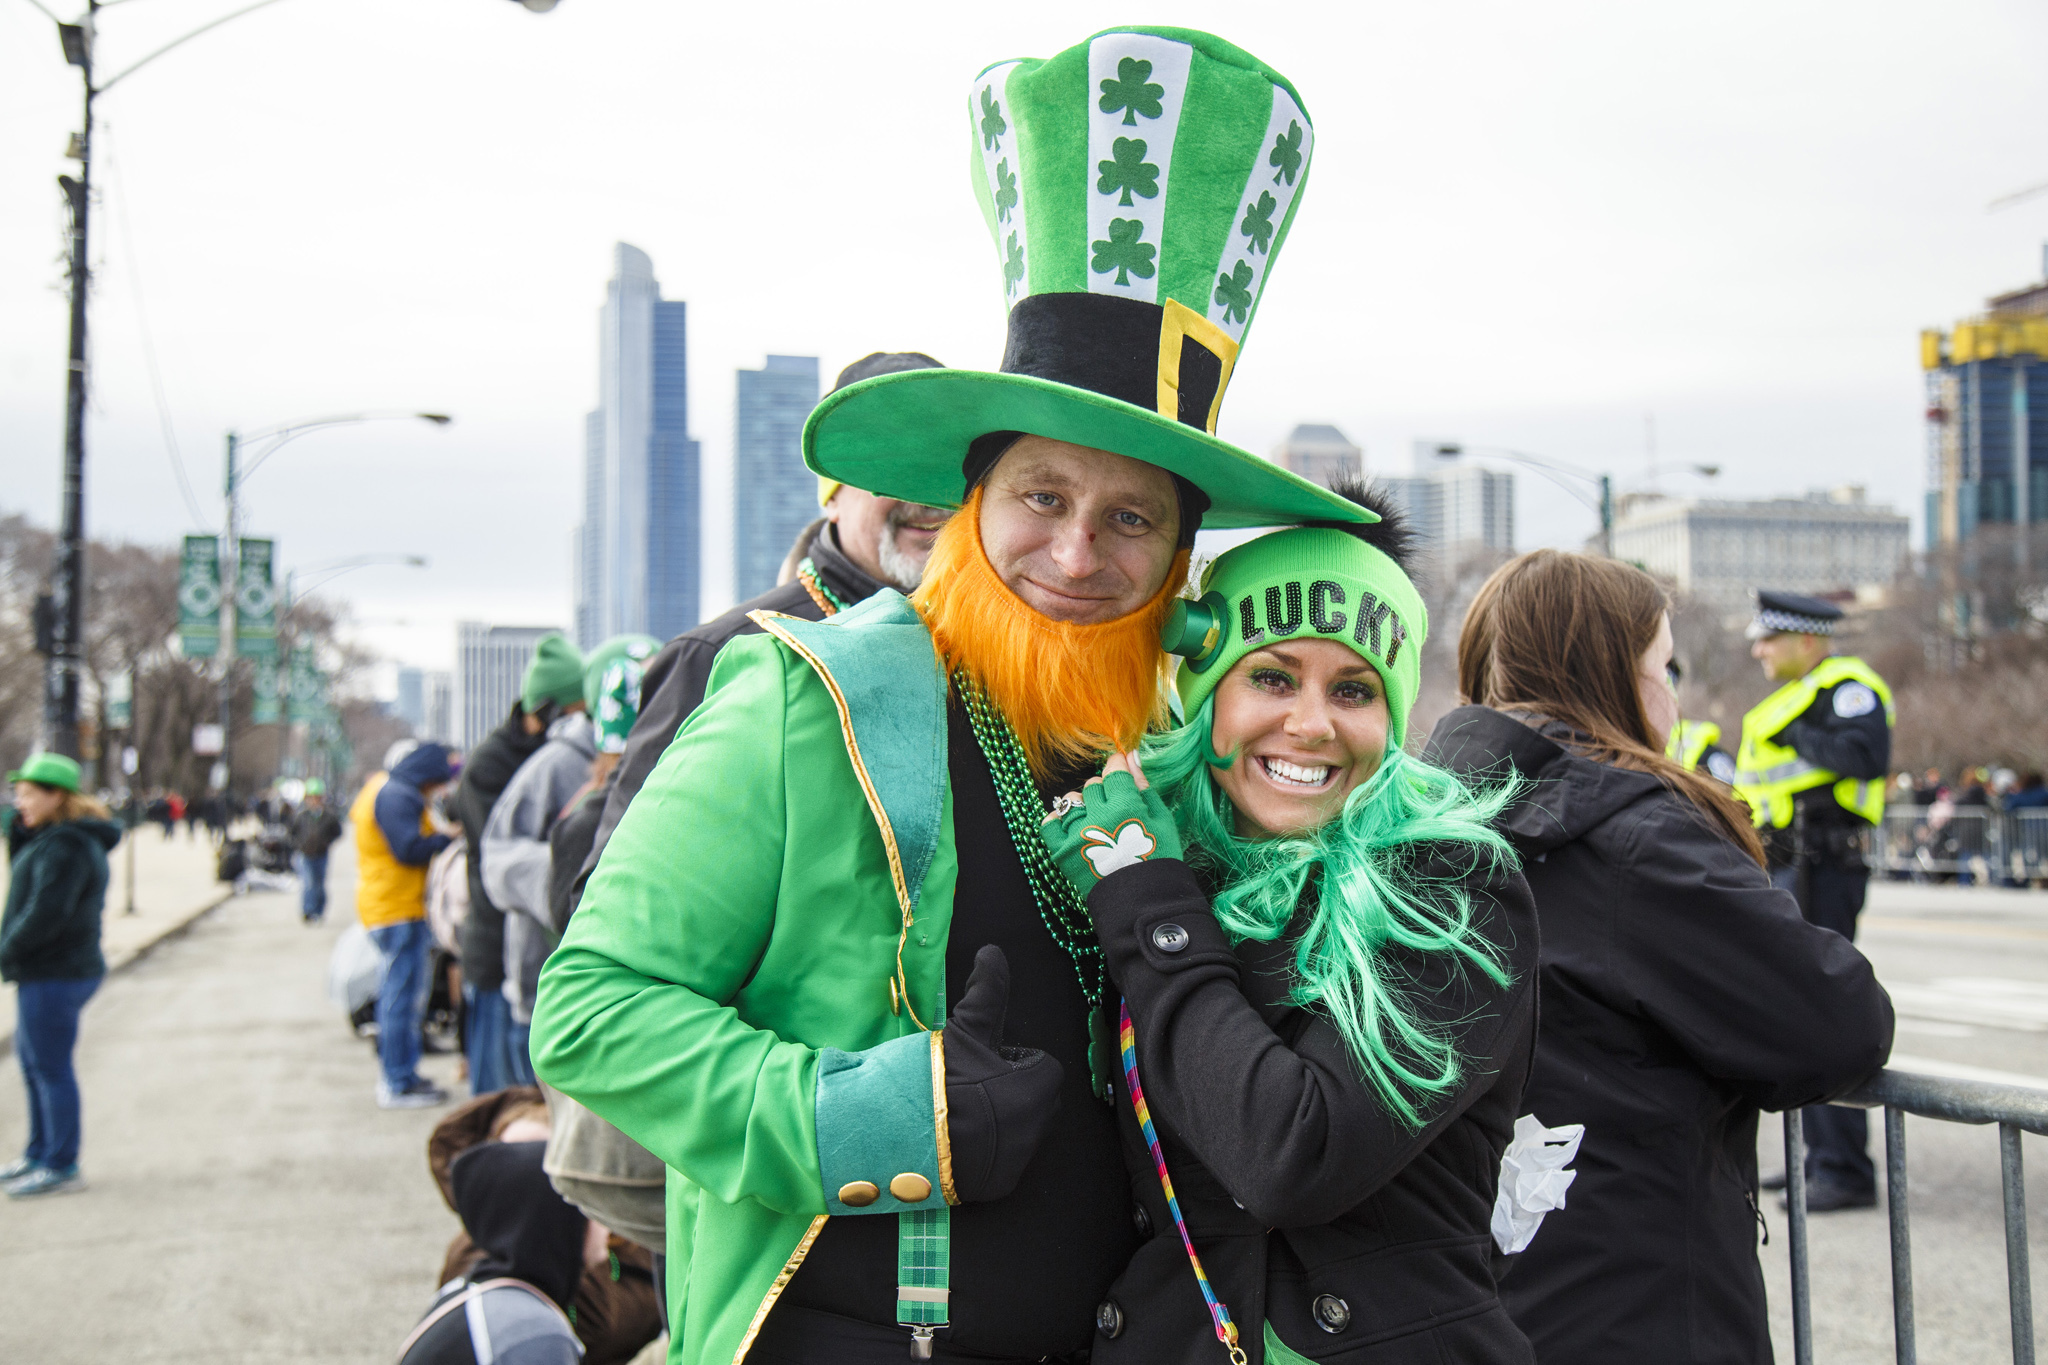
x: 1368, y: 897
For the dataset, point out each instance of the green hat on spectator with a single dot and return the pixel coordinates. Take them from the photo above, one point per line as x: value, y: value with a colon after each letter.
x: 611, y: 687
x: 48, y: 770
x: 555, y: 675
x: 315, y: 787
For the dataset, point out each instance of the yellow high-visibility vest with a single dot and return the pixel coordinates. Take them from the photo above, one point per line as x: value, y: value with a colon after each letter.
x: 1689, y: 742
x: 1768, y: 774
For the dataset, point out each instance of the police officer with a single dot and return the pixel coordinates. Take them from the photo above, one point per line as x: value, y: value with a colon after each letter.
x: 1812, y: 765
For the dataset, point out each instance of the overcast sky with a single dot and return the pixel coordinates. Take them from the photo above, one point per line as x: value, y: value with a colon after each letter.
x: 1528, y: 225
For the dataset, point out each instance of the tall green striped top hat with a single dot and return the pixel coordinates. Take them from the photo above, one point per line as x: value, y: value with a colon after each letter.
x: 1139, y: 187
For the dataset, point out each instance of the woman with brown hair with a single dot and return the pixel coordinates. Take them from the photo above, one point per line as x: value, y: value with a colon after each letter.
x: 50, y: 949
x: 1680, y: 993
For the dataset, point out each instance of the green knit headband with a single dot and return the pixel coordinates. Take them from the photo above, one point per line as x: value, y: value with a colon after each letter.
x: 1303, y: 584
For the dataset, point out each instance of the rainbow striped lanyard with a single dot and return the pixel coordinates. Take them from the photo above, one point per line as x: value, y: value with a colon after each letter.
x: 1226, y: 1330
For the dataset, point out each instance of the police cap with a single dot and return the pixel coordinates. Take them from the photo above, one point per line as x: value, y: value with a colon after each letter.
x: 1792, y: 613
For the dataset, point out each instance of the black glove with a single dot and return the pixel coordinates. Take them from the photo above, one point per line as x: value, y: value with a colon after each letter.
x: 999, y: 1100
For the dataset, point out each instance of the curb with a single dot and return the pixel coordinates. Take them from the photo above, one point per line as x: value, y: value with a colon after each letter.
x: 115, y: 966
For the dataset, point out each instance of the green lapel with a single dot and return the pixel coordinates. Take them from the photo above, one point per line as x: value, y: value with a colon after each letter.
x: 877, y: 659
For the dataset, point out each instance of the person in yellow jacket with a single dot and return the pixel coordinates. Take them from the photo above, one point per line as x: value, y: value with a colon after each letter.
x: 1812, y: 765
x: 395, y: 840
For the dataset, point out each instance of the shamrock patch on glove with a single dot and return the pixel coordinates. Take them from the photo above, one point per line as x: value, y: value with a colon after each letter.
x: 1114, y: 826
x: 1130, y: 845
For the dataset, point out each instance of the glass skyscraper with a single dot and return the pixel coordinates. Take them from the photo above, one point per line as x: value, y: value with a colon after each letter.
x: 774, y: 495
x: 636, y: 551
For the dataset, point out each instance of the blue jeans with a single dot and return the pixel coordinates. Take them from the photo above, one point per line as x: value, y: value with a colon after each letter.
x: 404, y: 947
x: 490, y: 1057
x: 312, y: 885
x: 46, y: 1031
x: 518, y: 1037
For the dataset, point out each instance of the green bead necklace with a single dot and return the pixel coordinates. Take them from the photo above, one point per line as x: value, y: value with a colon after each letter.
x: 1060, y: 909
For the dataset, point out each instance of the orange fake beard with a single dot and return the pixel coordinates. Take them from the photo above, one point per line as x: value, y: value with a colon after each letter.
x: 1072, y: 693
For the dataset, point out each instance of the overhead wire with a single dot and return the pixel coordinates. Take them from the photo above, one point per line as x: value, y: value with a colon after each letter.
x: 156, y: 378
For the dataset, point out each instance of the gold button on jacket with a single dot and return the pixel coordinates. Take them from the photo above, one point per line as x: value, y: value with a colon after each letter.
x: 910, y: 1187
x: 858, y: 1194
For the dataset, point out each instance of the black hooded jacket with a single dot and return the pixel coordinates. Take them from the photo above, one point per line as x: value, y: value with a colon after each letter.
x: 1681, y: 994
x: 51, y: 928
x: 1360, y: 1240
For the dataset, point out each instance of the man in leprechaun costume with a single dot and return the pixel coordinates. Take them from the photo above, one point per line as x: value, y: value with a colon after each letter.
x: 825, y: 969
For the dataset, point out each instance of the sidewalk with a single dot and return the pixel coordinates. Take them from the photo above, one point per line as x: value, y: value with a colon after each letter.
x: 174, y: 885
x: 249, y: 1202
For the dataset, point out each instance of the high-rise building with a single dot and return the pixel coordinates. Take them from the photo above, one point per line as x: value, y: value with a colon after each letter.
x: 489, y: 662
x: 774, y: 495
x: 412, y: 698
x: 1319, y: 453
x: 1830, y: 542
x: 440, y: 708
x: 1987, y: 417
x: 636, y: 553
x: 1455, y: 506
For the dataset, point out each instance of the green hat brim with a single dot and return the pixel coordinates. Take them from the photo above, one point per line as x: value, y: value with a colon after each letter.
x: 905, y: 436
x: 47, y: 770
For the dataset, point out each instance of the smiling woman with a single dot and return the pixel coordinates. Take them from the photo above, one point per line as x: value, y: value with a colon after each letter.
x: 1326, y: 956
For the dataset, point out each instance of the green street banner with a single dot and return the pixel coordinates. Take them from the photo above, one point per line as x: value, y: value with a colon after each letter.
x: 307, y: 698
x: 268, y: 708
x: 256, y: 603
x: 121, y: 700
x: 199, y: 597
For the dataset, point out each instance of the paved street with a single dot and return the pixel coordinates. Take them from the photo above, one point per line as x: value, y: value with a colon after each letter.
x: 249, y: 1201
x: 1968, y: 973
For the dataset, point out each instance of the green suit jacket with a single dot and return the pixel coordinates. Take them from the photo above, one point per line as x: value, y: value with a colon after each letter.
x: 746, y: 988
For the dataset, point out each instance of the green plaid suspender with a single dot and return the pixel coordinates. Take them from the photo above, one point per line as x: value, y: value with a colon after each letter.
x: 924, y: 1240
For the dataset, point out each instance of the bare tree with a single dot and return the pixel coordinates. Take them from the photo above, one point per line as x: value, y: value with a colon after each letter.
x: 131, y: 623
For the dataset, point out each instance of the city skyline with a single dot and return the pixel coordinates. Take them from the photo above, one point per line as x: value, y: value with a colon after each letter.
x: 1754, y: 273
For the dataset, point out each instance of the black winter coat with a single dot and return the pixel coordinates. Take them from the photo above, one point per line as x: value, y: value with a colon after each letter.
x: 484, y: 778
x: 673, y: 682
x: 1311, y: 1205
x: 1681, y: 994
x: 55, y: 892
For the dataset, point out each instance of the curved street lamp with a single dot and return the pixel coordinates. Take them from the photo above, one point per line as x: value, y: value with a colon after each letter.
x: 269, y: 439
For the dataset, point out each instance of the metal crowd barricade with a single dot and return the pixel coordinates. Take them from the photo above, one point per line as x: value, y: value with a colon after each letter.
x: 2015, y: 1109
x: 1973, y: 841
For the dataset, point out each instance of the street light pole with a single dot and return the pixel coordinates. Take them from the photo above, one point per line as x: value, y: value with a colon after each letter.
x: 231, y: 584
x: 230, y: 558
x: 62, y: 665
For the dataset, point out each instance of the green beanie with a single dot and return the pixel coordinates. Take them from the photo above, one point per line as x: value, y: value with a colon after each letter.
x: 48, y: 770
x: 1307, y: 583
x: 611, y: 687
x: 555, y: 675
x: 315, y: 787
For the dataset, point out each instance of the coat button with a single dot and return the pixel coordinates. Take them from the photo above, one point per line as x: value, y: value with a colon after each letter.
x: 858, y: 1194
x: 910, y: 1187
x: 1333, y: 1315
x: 1109, y: 1319
x: 1169, y: 938
x: 1141, y: 1220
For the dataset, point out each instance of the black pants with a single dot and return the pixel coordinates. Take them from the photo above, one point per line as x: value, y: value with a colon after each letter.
x: 1837, y: 1139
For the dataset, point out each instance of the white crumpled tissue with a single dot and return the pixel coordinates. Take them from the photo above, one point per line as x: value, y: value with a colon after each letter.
x: 1533, y: 1180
